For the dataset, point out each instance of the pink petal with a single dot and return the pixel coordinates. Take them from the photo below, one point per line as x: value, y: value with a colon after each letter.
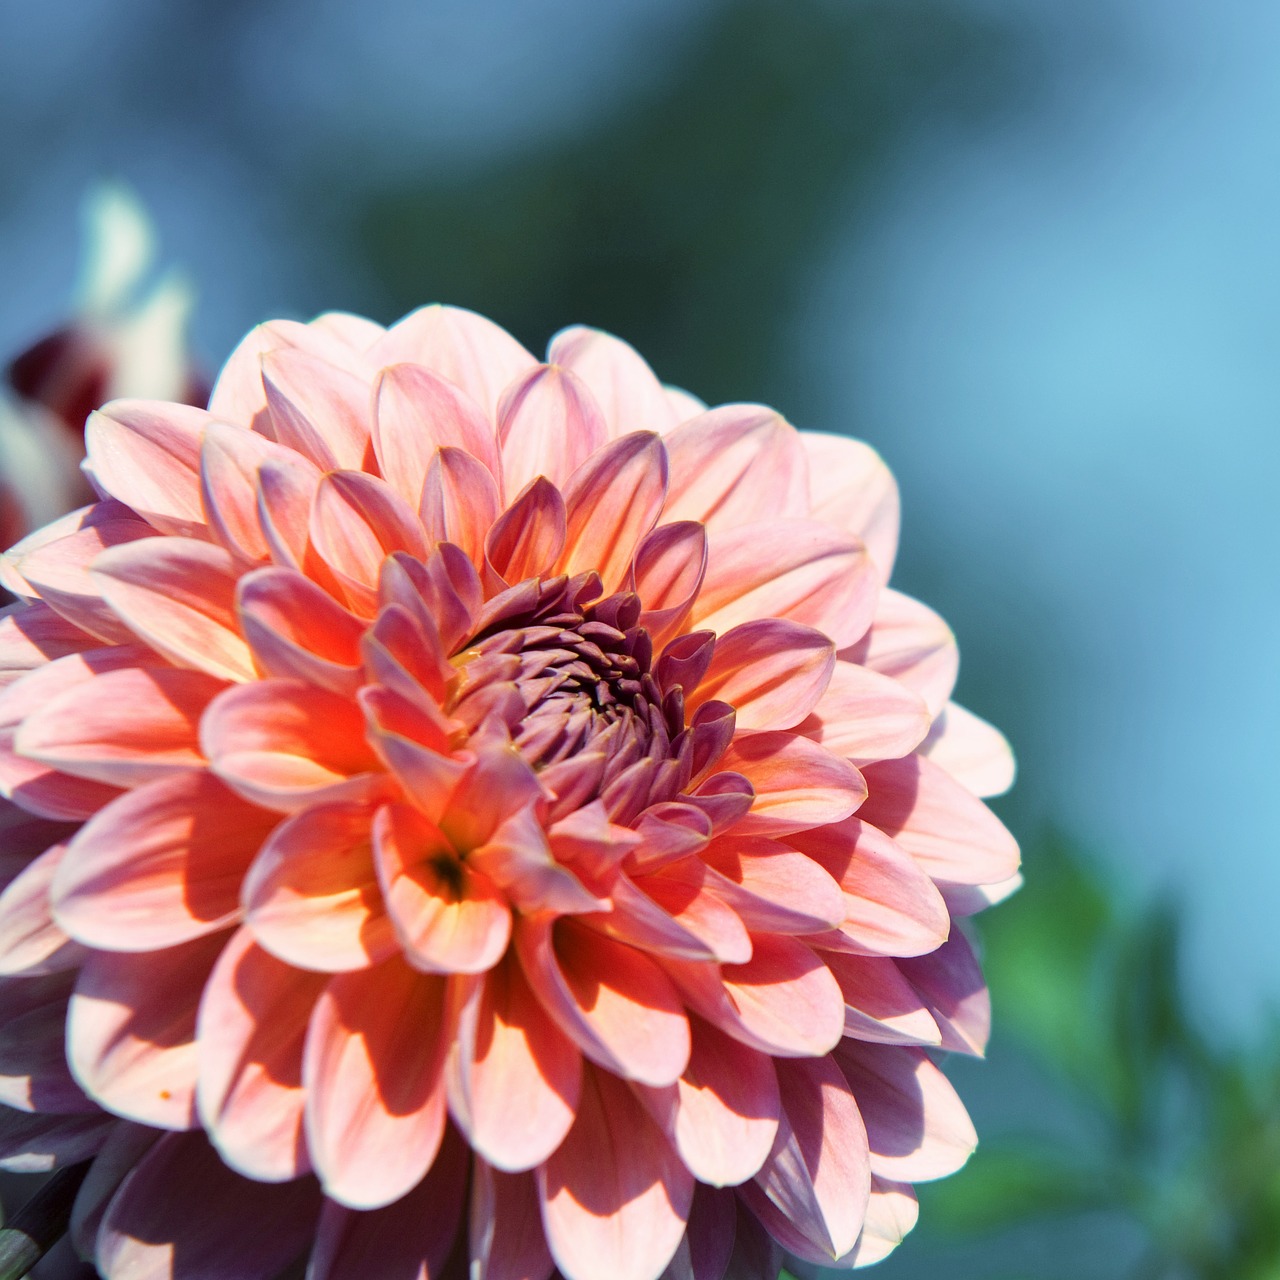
x: 448, y: 917
x: 147, y: 454
x: 526, y: 540
x: 250, y: 1030
x: 131, y: 1031
x: 286, y: 488
x: 771, y: 672
x: 668, y: 570
x: 812, y: 1193
x: 459, y: 502
x: 909, y: 642
x: 796, y: 569
x: 473, y: 353
x: 950, y: 833
x: 683, y: 890
x: 736, y: 464
x: 230, y: 458
x: 951, y: 985
x: 498, y: 785
x: 892, y: 908
x: 354, y: 331
x: 244, y: 1228
x: 284, y: 744
x: 409, y: 1240
x: 891, y: 1213
x: 638, y: 920
x: 797, y: 783
x: 615, y: 1196
x: 917, y: 1127
x: 630, y: 396
x: 124, y: 727
x: 865, y: 716
x: 548, y: 425
x: 771, y: 887
x: 32, y: 635
x: 851, y: 488
x: 707, y: 1247
x: 34, y: 1143
x: 722, y: 1114
x: 372, y: 1073
x: 413, y: 746
x: 613, y: 500
x: 880, y: 1004
x: 311, y: 897
x: 418, y: 412
x: 357, y: 520
x: 610, y: 999
x: 159, y: 866
x: 518, y: 1077
x: 34, y: 1075
x: 30, y: 941
x: 972, y: 751
x: 125, y: 1147
x: 179, y: 597
x: 59, y: 568
x: 506, y: 1237
x: 317, y: 409
x: 294, y: 628
x: 969, y: 899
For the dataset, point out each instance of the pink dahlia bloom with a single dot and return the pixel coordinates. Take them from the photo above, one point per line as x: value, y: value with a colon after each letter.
x: 472, y: 811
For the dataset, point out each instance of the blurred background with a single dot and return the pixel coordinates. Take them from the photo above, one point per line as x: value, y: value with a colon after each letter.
x: 1026, y: 250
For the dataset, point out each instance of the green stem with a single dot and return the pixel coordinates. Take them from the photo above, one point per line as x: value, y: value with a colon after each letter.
x: 40, y: 1223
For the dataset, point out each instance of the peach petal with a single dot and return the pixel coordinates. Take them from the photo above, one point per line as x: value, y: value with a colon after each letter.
x: 518, y: 1077
x: 682, y: 888
x: 448, y: 916
x: 471, y: 351
x: 615, y: 1196
x: 612, y: 1000
x: 409, y: 1240
x: 372, y: 1075
x: 851, y: 488
x: 285, y: 744
x: 317, y: 409
x: 972, y: 751
x: 131, y: 1029
x: 638, y: 920
x: 286, y: 490
x: 295, y: 628
x: 527, y: 538
x: 548, y: 425
x: 917, y: 1127
x: 250, y: 1030
x: 356, y: 521
x: 497, y: 785
x: 353, y: 331
x: 736, y: 464
x: 58, y: 569
x: 416, y: 413
x: 865, y: 716
x: 722, y: 1114
x: 951, y: 986
x: 892, y: 908
x: 667, y: 573
x: 797, y: 783
x: 772, y: 672
x: 812, y: 1193
x: 911, y: 643
x: 36, y: 1143
x: 506, y: 1239
x: 311, y: 896
x: 796, y: 569
x: 612, y: 501
x: 158, y: 866
x: 412, y: 744
x: 459, y: 502
x: 124, y: 727
x: 443, y: 593
x: 34, y: 1076
x: 179, y: 597
x: 771, y: 887
x: 880, y: 1004
x: 230, y: 459
x: 32, y: 635
x: 125, y: 1147
x: 617, y: 375
x: 244, y: 1228
x: 891, y: 1213
x: 950, y: 833
x: 707, y: 1247
x: 30, y: 941
x: 147, y: 454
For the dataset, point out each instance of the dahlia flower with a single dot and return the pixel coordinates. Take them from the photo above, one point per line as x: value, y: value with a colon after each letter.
x: 465, y: 810
x: 124, y: 339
